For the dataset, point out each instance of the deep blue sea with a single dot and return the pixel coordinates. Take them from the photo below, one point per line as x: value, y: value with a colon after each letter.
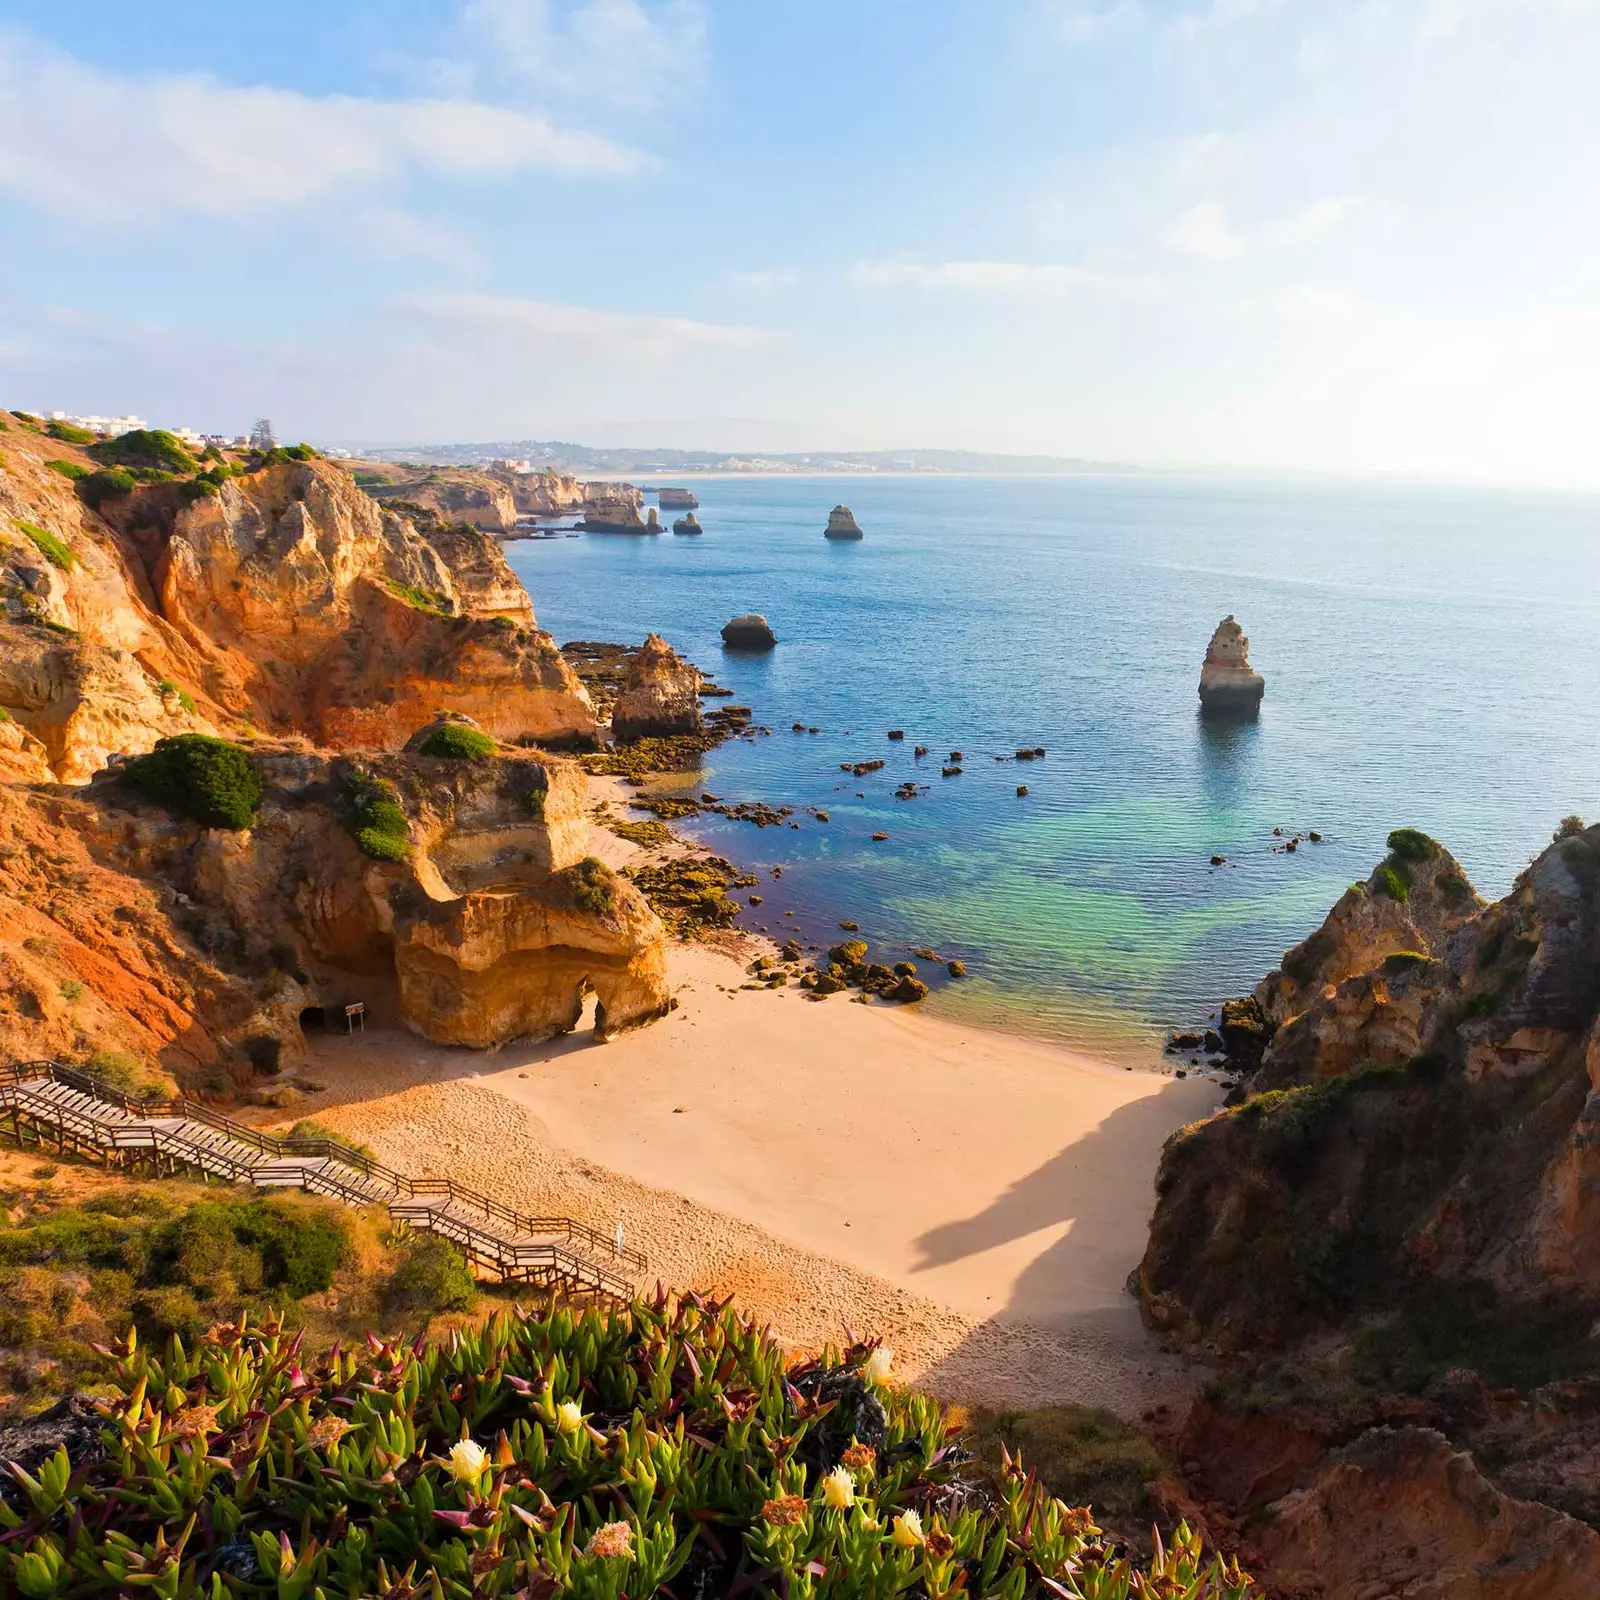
x: 1432, y: 659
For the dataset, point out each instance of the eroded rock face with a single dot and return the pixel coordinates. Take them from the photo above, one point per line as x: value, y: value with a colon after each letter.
x: 354, y: 625
x: 484, y: 932
x: 613, y: 508
x: 1228, y: 683
x: 660, y: 696
x: 1399, y: 1512
x: 458, y: 495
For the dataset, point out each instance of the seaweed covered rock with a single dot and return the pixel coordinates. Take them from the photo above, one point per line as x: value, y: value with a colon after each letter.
x: 660, y: 696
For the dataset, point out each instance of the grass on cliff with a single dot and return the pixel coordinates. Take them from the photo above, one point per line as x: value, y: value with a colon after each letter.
x: 455, y: 741
x: 85, y: 1255
x: 153, y: 449
x: 72, y: 471
x: 208, y: 780
x: 50, y: 547
x: 109, y: 483
x: 419, y: 599
x: 593, y: 885
x: 375, y: 820
x: 68, y: 434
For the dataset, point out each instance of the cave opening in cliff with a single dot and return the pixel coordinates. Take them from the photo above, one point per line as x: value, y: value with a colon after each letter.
x: 313, y: 1019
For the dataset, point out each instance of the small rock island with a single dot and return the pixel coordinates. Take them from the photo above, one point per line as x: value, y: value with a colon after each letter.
x: 677, y: 499
x: 688, y: 524
x: 842, y: 524
x: 749, y: 632
x: 1229, y: 685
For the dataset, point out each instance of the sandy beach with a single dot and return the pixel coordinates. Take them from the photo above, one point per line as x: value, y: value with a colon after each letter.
x: 976, y: 1198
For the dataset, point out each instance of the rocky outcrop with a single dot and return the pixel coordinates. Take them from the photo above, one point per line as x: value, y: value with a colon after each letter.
x: 688, y: 524
x: 328, y: 615
x: 660, y: 696
x: 613, y: 508
x: 749, y: 632
x: 481, y: 500
x: 1228, y: 683
x: 481, y: 922
x: 678, y: 500
x: 543, y: 494
x: 842, y: 524
x: 652, y: 521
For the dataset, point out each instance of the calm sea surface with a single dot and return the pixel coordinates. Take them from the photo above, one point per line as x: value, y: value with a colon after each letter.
x: 1432, y: 660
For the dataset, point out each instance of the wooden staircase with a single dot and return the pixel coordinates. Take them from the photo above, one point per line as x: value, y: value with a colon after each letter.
x: 45, y: 1103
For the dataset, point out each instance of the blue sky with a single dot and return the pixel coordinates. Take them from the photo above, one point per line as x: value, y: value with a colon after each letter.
x: 1349, y: 235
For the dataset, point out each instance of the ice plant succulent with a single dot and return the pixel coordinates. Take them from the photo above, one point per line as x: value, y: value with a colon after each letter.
x: 878, y: 1364
x: 701, y: 1459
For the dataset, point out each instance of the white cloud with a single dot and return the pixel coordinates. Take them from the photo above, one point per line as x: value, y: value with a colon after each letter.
x: 1203, y: 232
x: 1000, y: 277
x: 622, y: 51
x: 1081, y: 21
x: 190, y: 144
x: 507, y: 323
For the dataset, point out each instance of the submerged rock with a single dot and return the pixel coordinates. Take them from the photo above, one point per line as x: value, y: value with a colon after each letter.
x: 1228, y: 683
x: 842, y: 524
x: 751, y: 631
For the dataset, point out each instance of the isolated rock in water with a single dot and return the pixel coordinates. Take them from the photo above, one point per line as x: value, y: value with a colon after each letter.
x: 749, y: 632
x: 652, y: 521
x: 688, y: 524
x: 612, y: 508
x: 678, y: 500
x: 842, y: 524
x: 1227, y: 680
x: 660, y: 696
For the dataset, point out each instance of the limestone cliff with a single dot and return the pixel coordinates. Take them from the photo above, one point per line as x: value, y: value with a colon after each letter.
x: 543, y: 494
x: 613, y: 508
x: 660, y: 695
x: 1228, y: 683
x: 481, y: 500
x: 480, y: 922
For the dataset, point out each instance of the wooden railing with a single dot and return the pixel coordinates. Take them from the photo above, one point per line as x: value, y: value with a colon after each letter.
x: 583, y: 1259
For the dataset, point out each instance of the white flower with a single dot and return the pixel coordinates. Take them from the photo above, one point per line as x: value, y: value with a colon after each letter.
x: 569, y: 1416
x: 837, y: 1489
x: 614, y: 1541
x: 907, y: 1532
x: 467, y: 1461
x: 878, y: 1365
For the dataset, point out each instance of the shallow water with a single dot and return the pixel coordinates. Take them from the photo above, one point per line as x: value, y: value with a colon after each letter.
x: 1432, y: 660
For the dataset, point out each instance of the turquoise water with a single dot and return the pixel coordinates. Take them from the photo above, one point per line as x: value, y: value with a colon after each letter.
x: 1432, y: 660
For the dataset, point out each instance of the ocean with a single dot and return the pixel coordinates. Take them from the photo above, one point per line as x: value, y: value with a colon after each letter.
x: 1432, y: 659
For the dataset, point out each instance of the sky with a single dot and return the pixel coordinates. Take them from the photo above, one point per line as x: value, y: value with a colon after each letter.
x: 1325, y: 235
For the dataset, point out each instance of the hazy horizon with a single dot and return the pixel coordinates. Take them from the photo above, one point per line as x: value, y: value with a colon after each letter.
x: 1181, y: 235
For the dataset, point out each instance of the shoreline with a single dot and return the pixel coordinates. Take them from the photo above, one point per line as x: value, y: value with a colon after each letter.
x: 976, y: 1197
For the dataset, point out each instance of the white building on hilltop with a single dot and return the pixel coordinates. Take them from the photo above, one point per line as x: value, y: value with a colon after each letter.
x: 106, y: 427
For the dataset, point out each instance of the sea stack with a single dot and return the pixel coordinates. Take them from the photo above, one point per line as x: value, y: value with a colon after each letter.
x: 677, y: 499
x: 842, y: 524
x: 652, y: 522
x: 660, y: 696
x: 749, y: 632
x: 688, y: 524
x: 1228, y: 683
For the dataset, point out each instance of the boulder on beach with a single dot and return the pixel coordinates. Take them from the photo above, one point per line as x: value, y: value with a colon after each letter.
x: 842, y: 524
x: 749, y: 632
x: 1228, y: 683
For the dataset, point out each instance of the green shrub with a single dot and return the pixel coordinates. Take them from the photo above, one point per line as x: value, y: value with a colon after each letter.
x: 72, y: 989
x: 50, y: 547
x: 168, y: 688
x: 419, y: 599
x: 310, y: 1128
x: 1403, y: 961
x: 152, y: 448
x: 129, y: 1073
x: 455, y: 741
x: 1394, y: 880
x: 1408, y: 844
x: 211, y: 781
x: 28, y: 420
x: 109, y: 483
x: 1567, y: 828
x: 67, y: 434
x: 594, y: 886
x: 467, y: 1466
x: 71, y: 470
x: 375, y: 820
x: 432, y: 1275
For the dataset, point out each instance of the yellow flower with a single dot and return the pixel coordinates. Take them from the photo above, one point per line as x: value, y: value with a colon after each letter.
x: 615, y: 1539
x: 837, y: 1489
x: 878, y: 1364
x: 467, y: 1461
x: 195, y: 1422
x: 569, y: 1416
x: 907, y: 1531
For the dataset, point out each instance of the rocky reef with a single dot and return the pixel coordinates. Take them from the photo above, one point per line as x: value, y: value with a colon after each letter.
x: 1398, y: 1218
x: 660, y: 697
x: 1228, y: 683
x: 842, y: 524
x: 751, y: 631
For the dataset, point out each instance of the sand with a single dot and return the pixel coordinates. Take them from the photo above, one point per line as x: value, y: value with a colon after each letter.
x: 977, y: 1198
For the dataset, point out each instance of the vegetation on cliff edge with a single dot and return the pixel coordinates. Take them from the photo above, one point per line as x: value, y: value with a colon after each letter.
x: 455, y: 741
x: 552, y: 1453
x: 208, y: 780
x: 152, y: 448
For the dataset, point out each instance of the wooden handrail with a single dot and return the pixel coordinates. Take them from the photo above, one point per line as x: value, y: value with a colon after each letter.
x: 195, y: 1152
